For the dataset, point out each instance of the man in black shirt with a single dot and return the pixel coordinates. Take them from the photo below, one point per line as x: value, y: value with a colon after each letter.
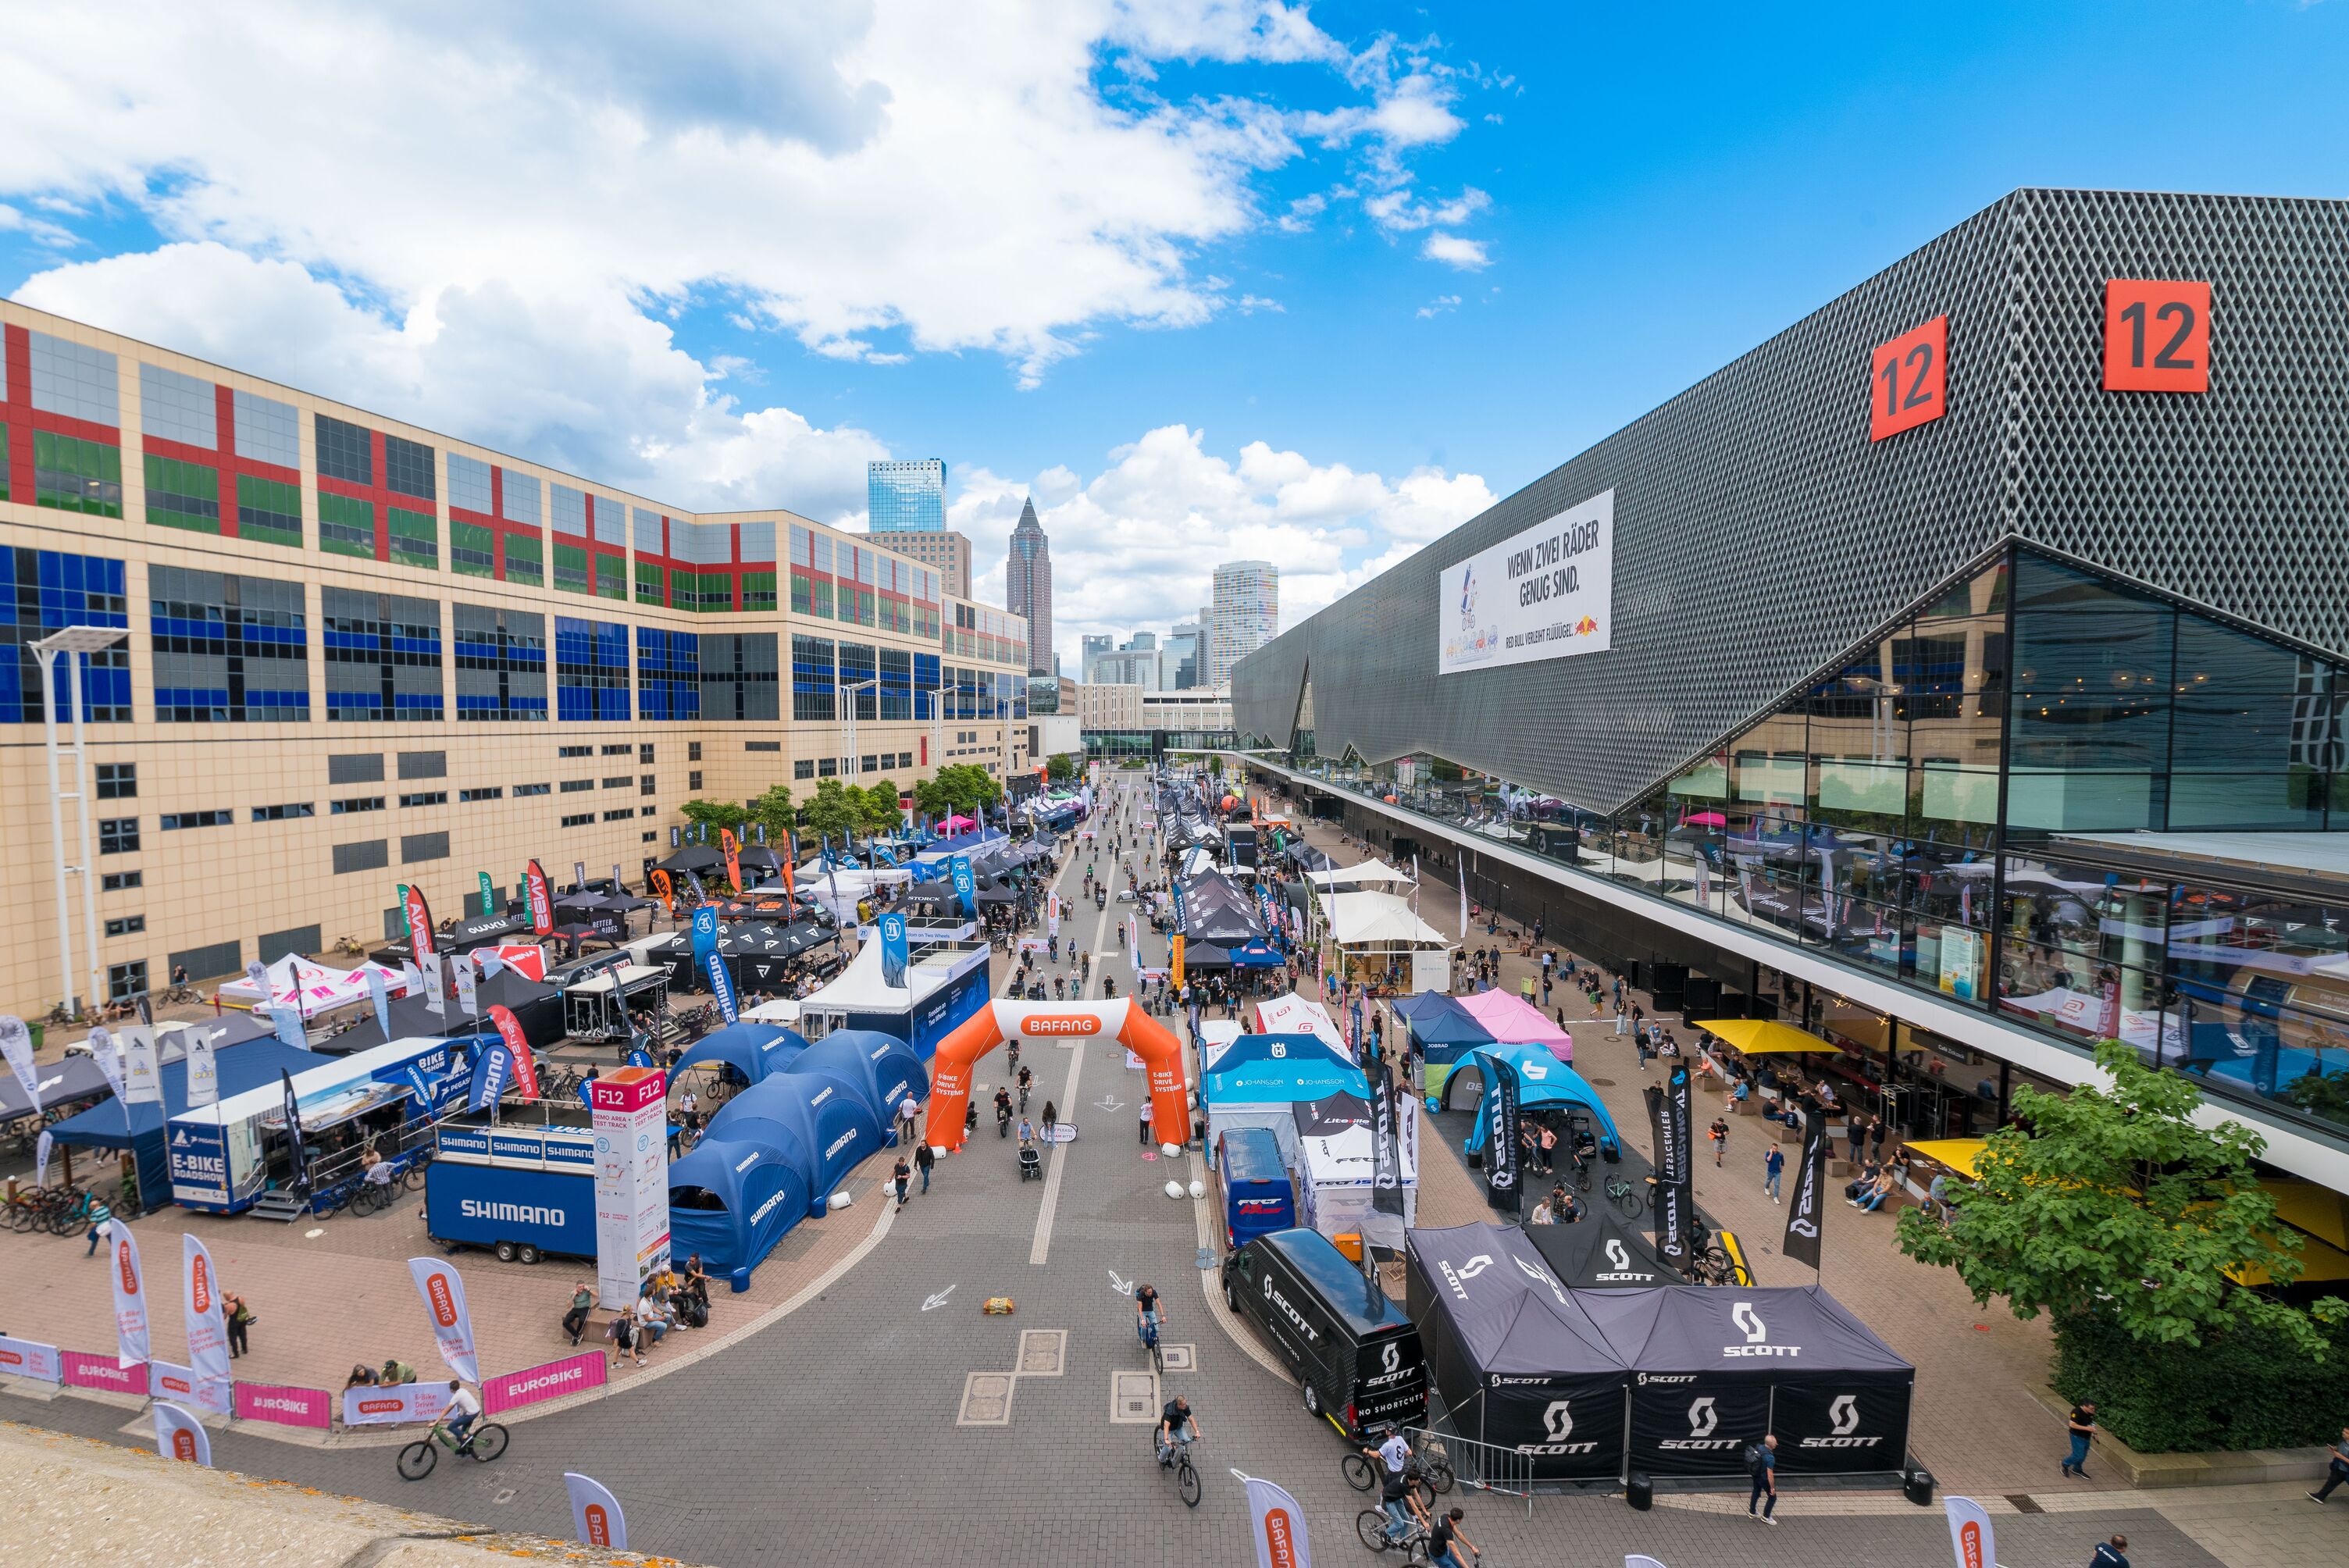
x: 2082, y: 1424
x: 1171, y: 1422
x: 1145, y: 1313
x: 1440, y: 1541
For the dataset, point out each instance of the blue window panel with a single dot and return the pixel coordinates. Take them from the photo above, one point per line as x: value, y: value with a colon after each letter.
x: 44, y: 591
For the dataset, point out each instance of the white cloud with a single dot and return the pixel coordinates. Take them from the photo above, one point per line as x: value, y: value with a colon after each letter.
x: 1468, y: 255
x: 1251, y: 304
x: 1135, y: 547
x: 1438, y: 305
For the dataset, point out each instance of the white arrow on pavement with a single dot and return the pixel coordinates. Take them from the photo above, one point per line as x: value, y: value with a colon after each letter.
x: 1106, y: 1103
x: 931, y: 1304
x: 1122, y: 1288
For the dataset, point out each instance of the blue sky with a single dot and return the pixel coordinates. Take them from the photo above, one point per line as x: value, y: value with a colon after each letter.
x: 1211, y: 278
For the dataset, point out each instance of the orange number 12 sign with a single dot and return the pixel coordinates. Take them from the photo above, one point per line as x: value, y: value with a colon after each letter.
x: 1908, y: 380
x: 2156, y: 337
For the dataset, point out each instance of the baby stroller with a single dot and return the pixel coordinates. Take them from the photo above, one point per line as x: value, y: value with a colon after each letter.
x: 1032, y: 1163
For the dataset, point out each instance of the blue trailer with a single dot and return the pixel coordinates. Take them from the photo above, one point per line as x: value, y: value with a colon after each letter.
x: 520, y: 1214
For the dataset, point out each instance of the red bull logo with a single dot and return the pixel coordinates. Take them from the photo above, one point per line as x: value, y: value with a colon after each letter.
x: 1584, y: 626
x: 444, y: 1304
x: 1086, y: 1024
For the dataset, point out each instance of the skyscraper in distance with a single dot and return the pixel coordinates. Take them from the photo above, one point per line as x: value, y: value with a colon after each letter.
x: 906, y: 496
x: 1243, y: 618
x: 1028, y: 587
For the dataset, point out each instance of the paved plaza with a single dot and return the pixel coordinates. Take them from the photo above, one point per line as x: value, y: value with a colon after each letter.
x: 880, y: 1416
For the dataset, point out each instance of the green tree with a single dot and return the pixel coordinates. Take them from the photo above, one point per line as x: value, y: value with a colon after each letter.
x: 717, y: 813
x: 930, y: 799
x: 832, y: 809
x: 1060, y: 768
x: 882, y: 812
x: 774, y: 811
x: 2114, y: 1206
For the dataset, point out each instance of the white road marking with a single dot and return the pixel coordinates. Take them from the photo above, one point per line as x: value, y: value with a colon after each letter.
x: 1105, y: 1103
x: 931, y: 1304
x: 1123, y: 1286
x: 1041, y: 1248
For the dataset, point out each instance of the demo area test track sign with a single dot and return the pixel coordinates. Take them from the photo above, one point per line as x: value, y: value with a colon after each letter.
x: 1546, y: 594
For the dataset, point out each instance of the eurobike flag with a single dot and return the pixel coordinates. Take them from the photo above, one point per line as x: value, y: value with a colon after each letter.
x: 200, y: 1308
x: 1277, y: 1525
x: 109, y: 1055
x: 469, y: 1002
x: 596, y: 1517
x: 1970, y: 1537
x: 539, y: 897
x: 517, y: 1044
x: 420, y: 921
x: 141, y: 1084
x: 130, y: 1348
x: 203, y: 1067
x: 965, y: 885
x: 16, y: 1045
x: 894, y: 949
x: 1806, y: 1214
x: 452, y: 1327
x: 731, y: 848
x: 179, y: 1436
x: 722, y: 984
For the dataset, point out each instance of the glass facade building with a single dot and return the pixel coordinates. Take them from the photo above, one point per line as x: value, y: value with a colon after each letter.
x: 906, y: 496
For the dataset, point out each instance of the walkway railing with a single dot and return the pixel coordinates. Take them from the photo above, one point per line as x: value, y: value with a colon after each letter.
x: 1485, y: 1467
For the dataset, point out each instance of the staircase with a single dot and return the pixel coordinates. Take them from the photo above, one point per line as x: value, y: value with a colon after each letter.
x: 279, y: 1204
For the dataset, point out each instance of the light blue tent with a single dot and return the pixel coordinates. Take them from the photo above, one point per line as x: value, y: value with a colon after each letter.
x: 1260, y: 1079
x: 1542, y: 1081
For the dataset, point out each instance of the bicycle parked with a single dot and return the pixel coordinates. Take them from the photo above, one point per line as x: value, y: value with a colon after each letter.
x: 1625, y: 1196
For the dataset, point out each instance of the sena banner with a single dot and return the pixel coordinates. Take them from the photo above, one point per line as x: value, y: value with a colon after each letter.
x: 571, y: 1375
x: 596, y: 1517
x: 385, y: 1406
x: 130, y: 1297
x: 284, y: 1407
x: 170, y: 1380
x: 1807, y: 1213
x: 452, y: 1326
x: 201, y: 1307
x: 420, y: 921
x: 1971, y: 1539
x: 1277, y: 1524
x: 1502, y: 1171
x: 30, y: 1358
x: 731, y: 848
x: 179, y: 1436
x: 525, y: 1067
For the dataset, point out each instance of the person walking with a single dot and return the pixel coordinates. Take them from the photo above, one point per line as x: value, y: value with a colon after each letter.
x: 2338, y: 1470
x: 902, y: 1176
x: 2082, y: 1425
x: 2111, y: 1553
x: 102, y: 1232
x: 240, y: 1320
x: 1719, y: 1133
x: 906, y: 1116
x: 923, y: 1160
x: 1762, y: 1464
x: 1773, y: 1166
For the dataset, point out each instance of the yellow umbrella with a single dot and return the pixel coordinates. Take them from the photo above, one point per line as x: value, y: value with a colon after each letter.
x: 1961, y: 1154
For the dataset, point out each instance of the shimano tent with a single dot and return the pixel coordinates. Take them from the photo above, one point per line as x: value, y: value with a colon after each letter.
x: 881, y: 1065
x: 788, y: 1142
x: 1544, y: 1083
x: 1598, y: 1253
x: 1716, y: 1369
x: 731, y: 1202
x: 1515, y: 1357
x: 747, y: 1052
x: 830, y: 1116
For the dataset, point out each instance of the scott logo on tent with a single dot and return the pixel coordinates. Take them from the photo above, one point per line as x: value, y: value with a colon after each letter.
x: 1843, y: 1414
x: 1757, y: 1334
x: 1458, y: 1278
x: 1558, y: 1425
x: 1621, y: 1272
x: 1702, y: 1421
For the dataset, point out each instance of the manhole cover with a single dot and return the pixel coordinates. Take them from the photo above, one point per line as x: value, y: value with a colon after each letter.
x: 1133, y: 1398
x: 1205, y: 1258
x: 1042, y: 1351
x: 1180, y: 1358
x: 986, y: 1401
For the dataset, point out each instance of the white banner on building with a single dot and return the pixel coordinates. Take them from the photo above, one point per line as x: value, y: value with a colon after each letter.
x: 1546, y: 594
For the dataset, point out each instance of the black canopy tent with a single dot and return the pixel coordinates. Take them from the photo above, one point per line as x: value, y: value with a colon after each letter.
x: 692, y: 858
x: 1515, y: 1361
x: 537, y: 1008
x: 1598, y: 1253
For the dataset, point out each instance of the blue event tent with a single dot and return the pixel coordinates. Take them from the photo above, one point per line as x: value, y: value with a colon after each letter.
x: 731, y: 1202
x: 750, y: 1051
x: 110, y: 1124
x: 884, y: 1066
x: 1260, y: 1079
x: 1542, y: 1081
x: 1443, y: 1031
x: 831, y: 1123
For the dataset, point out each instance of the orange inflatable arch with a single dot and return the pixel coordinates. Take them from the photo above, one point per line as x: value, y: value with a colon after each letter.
x: 1115, y: 1018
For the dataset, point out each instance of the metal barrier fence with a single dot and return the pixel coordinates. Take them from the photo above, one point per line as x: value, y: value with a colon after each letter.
x: 1481, y: 1467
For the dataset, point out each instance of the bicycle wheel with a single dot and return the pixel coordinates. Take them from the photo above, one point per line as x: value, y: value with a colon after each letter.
x: 417, y: 1459
x: 1357, y: 1471
x: 488, y: 1441
x: 1187, y: 1481
x: 1629, y: 1203
x: 1582, y: 1178
x: 1370, y: 1524
x: 1438, y: 1473
x: 1157, y: 1358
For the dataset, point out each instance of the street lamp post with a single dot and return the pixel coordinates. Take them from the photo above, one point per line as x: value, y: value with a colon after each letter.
x: 851, y: 765
x: 939, y: 724
x: 63, y: 648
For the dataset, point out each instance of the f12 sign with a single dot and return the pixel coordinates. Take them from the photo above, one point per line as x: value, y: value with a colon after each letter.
x: 1908, y: 380
x: 2156, y: 337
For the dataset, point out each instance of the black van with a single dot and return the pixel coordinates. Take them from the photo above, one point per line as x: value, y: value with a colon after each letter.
x: 1356, y: 1354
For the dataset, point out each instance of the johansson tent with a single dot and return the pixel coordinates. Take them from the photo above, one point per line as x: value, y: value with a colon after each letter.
x: 1337, y: 1161
x: 1544, y: 1083
x: 1597, y: 1252
x: 111, y: 1124
x: 1513, y: 1021
x: 1441, y: 1030
x: 829, y: 1115
x: 1261, y: 1079
x: 731, y: 1202
x: 1514, y: 1356
x: 1713, y: 1370
x: 747, y: 1052
x: 881, y: 1065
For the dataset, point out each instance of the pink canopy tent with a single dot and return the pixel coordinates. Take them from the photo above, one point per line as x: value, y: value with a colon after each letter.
x: 957, y: 825
x: 1513, y: 1021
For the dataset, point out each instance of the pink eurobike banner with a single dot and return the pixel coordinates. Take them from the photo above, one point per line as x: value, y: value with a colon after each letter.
x: 103, y: 1373
x: 284, y: 1407
x: 510, y: 1390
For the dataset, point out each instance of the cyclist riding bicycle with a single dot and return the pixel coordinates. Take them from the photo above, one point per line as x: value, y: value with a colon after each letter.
x: 464, y: 1410
x: 1172, y: 1420
x: 1148, y: 1316
x: 1027, y: 1081
x: 1002, y: 1111
x: 1394, y: 1455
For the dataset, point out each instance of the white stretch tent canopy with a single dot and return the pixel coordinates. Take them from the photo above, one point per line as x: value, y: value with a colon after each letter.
x: 781, y: 1010
x: 1334, y: 1174
x: 1296, y: 1015
x: 1379, y: 920
x: 310, y: 987
x: 1215, y: 1036
x: 1366, y: 874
